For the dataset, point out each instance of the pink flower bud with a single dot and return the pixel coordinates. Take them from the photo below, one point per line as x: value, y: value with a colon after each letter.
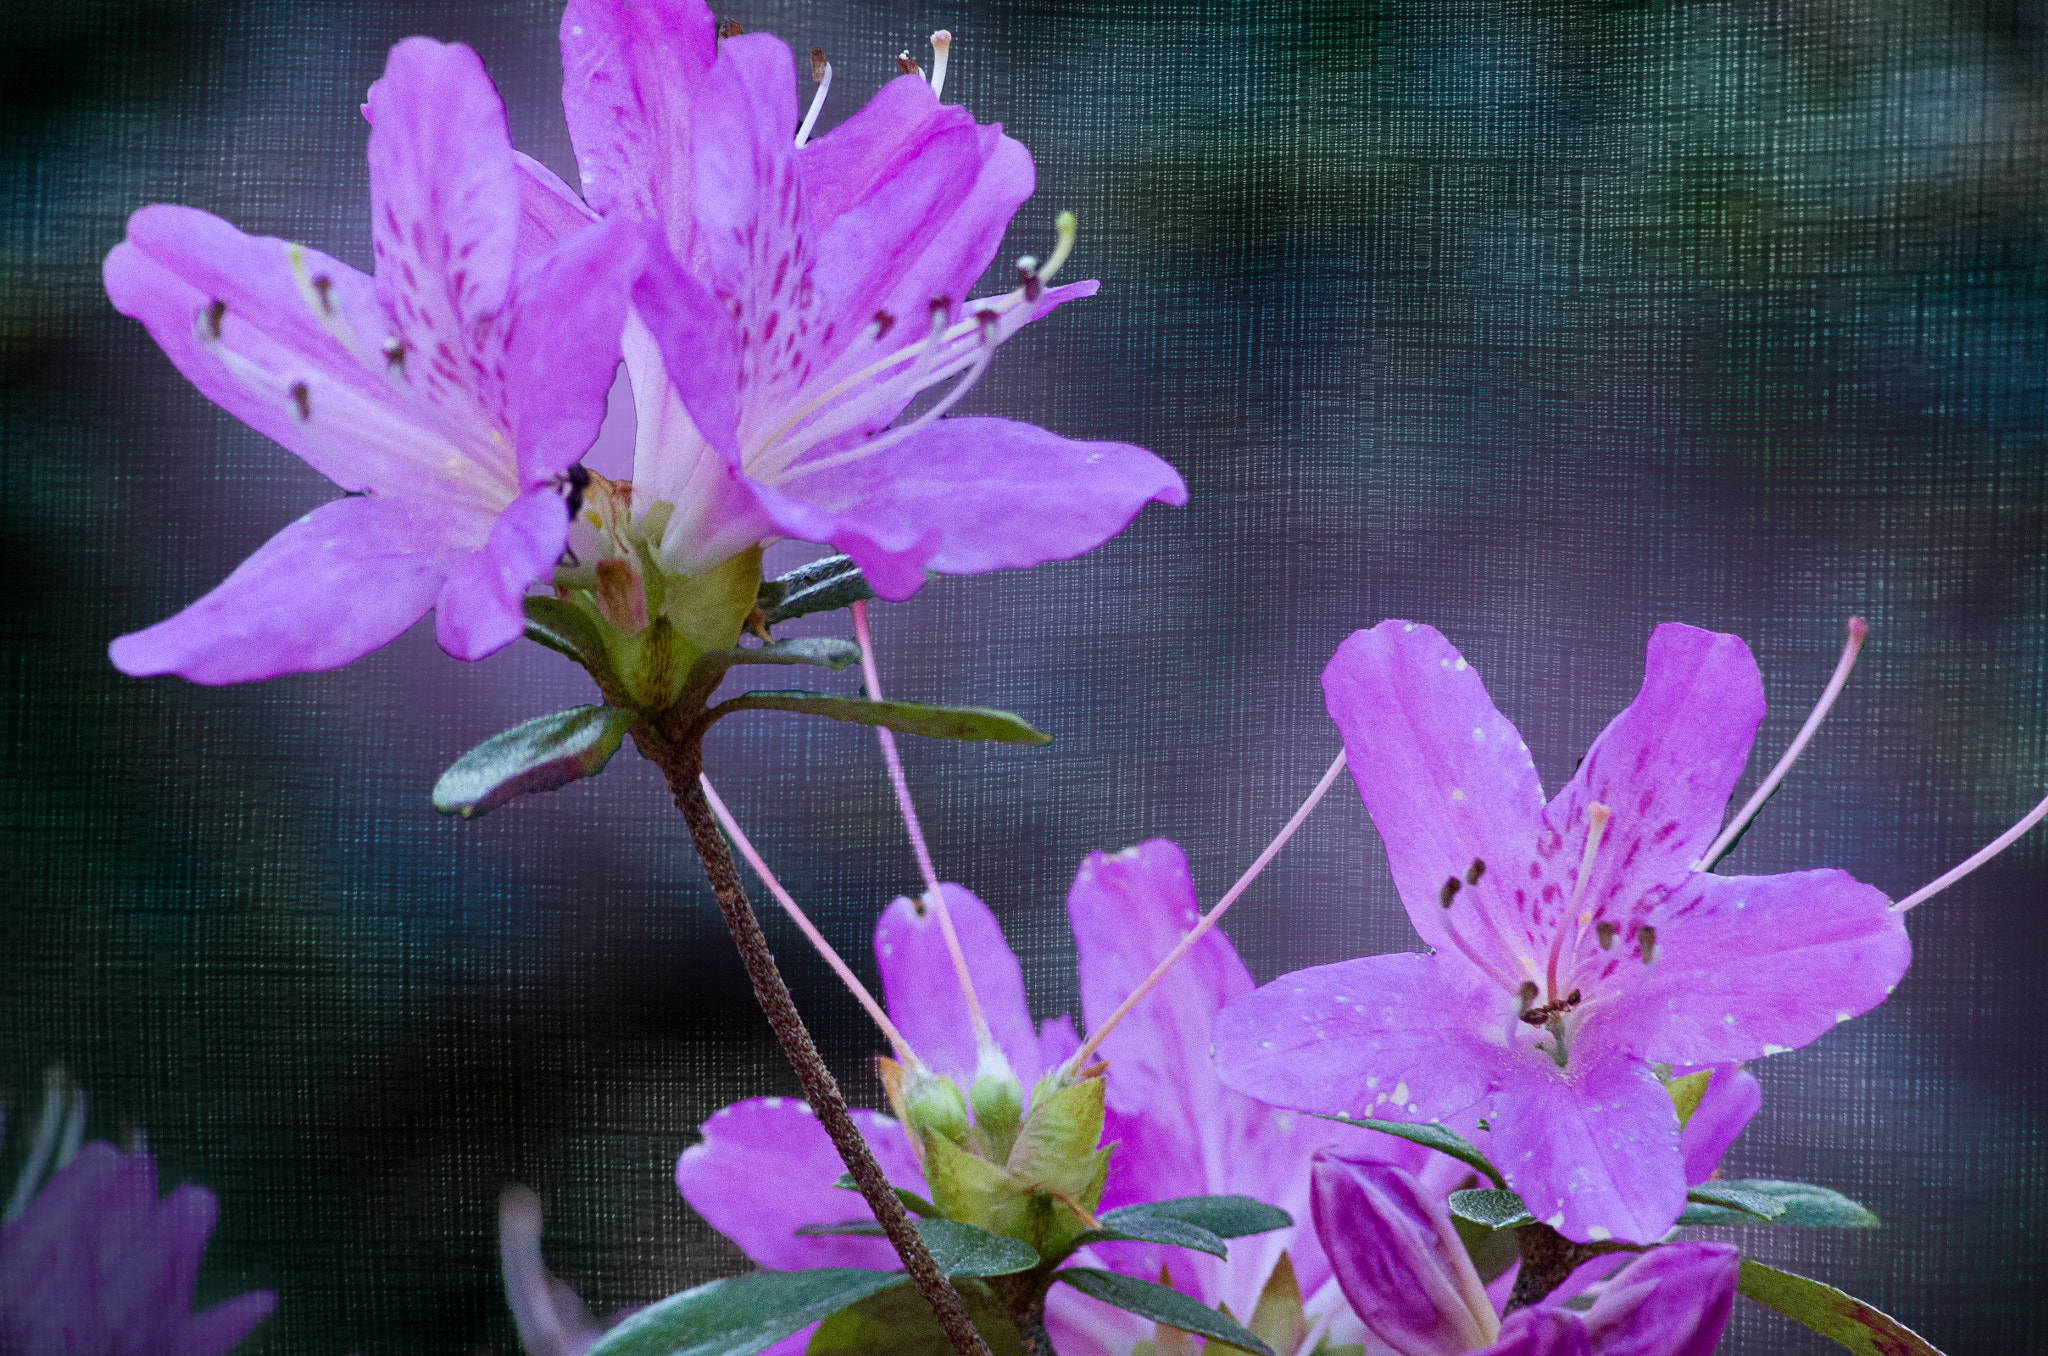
x: 1671, y: 1301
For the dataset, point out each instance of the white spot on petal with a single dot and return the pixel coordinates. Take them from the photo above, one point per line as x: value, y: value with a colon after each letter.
x: 1461, y: 665
x: 772, y: 1103
x: 1457, y: 793
x: 1841, y: 1017
x: 1401, y: 1092
x: 1729, y: 1019
x: 1598, y: 1234
x: 1556, y: 1221
x: 1777, y: 1049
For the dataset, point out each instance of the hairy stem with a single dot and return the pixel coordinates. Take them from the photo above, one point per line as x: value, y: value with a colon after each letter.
x: 682, y: 762
x: 1023, y: 1297
x: 1548, y: 1260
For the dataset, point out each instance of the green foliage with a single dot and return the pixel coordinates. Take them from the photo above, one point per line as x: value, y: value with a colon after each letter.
x: 963, y: 1250
x: 1796, y: 1203
x: 898, y: 1322
x: 1162, y: 1305
x: 1432, y: 1135
x: 1154, y: 1229
x: 1494, y: 1209
x: 1492, y: 1251
x: 741, y: 1314
x: 1840, y: 1318
x: 1200, y: 1222
x: 973, y: 723
x: 914, y: 1203
x: 821, y: 586
x: 543, y: 754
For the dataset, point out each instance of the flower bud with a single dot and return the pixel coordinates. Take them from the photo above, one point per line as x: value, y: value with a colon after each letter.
x: 1724, y: 1109
x: 998, y: 1101
x: 1398, y: 1259
x: 1671, y: 1301
x: 932, y: 1104
x: 1542, y: 1331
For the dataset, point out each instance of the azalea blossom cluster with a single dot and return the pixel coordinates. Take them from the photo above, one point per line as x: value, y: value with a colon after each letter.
x: 1483, y: 1146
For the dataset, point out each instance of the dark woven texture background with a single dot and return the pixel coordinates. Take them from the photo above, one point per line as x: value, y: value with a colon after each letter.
x: 1542, y: 323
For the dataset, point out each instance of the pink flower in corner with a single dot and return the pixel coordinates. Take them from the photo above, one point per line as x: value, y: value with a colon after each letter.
x: 798, y: 297
x: 99, y: 1263
x: 448, y: 394
x: 1574, y: 941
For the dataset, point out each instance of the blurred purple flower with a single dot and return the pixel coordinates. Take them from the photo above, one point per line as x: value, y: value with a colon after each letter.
x: 1412, y: 1285
x: 1179, y: 1131
x: 447, y: 395
x: 98, y: 1263
x: 1568, y: 953
x: 798, y: 297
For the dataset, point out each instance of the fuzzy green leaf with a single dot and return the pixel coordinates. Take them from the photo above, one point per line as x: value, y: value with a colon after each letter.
x: 1734, y: 1196
x: 1223, y: 1216
x: 741, y: 1314
x: 544, y: 754
x: 899, y: 1323
x: 1494, y: 1209
x: 564, y: 628
x: 1800, y: 1204
x: 820, y: 586
x: 1162, y: 1305
x: 1492, y: 1251
x: 1430, y: 1135
x: 964, y: 1250
x: 1839, y: 1317
x: 914, y: 1203
x: 976, y: 723
x: 1154, y: 1229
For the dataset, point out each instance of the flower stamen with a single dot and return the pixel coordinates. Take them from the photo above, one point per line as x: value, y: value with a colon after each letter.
x: 942, y: 46
x: 1977, y: 859
x: 1596, y: 830
x: 821, y: 76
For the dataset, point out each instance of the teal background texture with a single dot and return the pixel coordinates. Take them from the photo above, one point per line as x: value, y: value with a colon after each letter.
x: 1540, y: 322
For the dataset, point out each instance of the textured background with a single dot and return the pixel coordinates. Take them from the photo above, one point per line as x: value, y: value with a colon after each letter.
x: 1543, y: 323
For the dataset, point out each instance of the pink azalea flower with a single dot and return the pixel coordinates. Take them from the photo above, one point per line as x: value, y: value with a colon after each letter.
x: 797, y: 297
x: 1574, y: 941
x: 447, y: 395
x: 99, y: 1263
x: 1179, y: 1132
x: 1408, y: 1277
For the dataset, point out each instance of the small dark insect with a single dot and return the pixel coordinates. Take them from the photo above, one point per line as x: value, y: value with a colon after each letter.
x: 1555, y: 1007
x: 578, y: 480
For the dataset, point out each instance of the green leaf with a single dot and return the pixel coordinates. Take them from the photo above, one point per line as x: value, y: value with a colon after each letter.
x: 1495, y: 1209
x: 565, y: 628
x: 1431, y: 1135
x: 1734, y: 1196
x: 1154, y: 1229
x: 964, y: 1250
x: 1223, y: 1216
x: 899, y: 1323
x: 933, y: 722
x: 820, y: 586
x: 914, y: 1203
x: 1161, y: 1305
x: 1803, y: 1205
x: 543, y: 754
x: 1840, y: 1318
x: 1492, y: 1251
x: 741, y: 1314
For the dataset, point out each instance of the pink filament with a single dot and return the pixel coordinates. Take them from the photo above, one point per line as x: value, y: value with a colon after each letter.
x: 1989, y: 850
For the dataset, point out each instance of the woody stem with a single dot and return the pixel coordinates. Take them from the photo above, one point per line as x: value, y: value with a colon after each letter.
x: 681, y: 761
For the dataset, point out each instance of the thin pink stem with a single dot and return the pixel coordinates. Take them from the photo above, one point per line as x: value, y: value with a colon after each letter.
x: 1210, y: 918
x: 1858, y: 629
x: 804, y: 925
x: 983, y: 1040
x: 1990, y: 850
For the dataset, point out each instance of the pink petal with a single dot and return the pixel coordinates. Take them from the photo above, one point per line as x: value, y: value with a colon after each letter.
x: 699, y: 349
x: 1730, y: 1102
x: 549, y: 210
x: 348, y: 577
x: 480, y: 610
x: 1541, y: 1332
x: 221, y: 1327
x: 1377, y: 1037
x: 1671, y: 1301
x: 765, y: 1167
x: 1446, y: 777
x: 631, y: 77
x: 966, y: 496
x: 564, y: 351
x: 923, y: 995
x: 1398, y: 1259
x: 444, y: 199
x: 1591, y: 1148
x: 1666, y: 765
x: 1754, y: 965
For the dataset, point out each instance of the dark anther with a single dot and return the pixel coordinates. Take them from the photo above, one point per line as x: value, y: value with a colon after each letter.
x: 1033, y: 285
x: 884, y: 322
x: 302, y: 398
x: 578, y: 479
x: 818, y: 65
x: 730, y: 28
x: 1448, y: 893
x: 1606, y: 931
x: 323, y: 285
x: 1646, y: 942
x: 941, y: 306
x: 1537, y: 1016
x: 986, y: 318
x: 215, y: 313
x: 1528, y: 993
x: 1474, y: 871
x: 394, y: 354
x: 1571, y: 1000
x: 906, y: 65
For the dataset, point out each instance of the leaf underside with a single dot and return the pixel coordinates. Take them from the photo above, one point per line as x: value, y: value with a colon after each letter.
x: 543, y: 754
x: 821, y: 586
x: 1162, y: 1305
x: 1839, y: 1317
x: 973, y: 723
x: 1495, y: 1209
x: 1800, y: 1204
x: 741, y: 1315
x: 1431, y: 1135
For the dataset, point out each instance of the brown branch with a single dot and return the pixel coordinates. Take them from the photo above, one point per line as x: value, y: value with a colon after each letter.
x: 681, y: 762
x: 1548, y: 1260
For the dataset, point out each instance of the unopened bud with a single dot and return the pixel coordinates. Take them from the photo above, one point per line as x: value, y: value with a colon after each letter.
x: 998, y: 1101
x: 1398, y: 1259
x: 932, y: 1104
x: 1671, y: 1301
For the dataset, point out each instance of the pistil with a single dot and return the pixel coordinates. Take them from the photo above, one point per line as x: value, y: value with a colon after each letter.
x: 821, y: 76
x: 942, y: 46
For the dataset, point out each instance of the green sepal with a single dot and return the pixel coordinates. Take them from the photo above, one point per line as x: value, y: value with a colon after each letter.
x: 1056, y: 1144
x: 914, y: 1203
x: 898, y: 1322
x: 1278, y: 1318
x: 972, y: 723
x: 1431, y: 1135
x: 1493, y: 1209
x: 1800, y: 1204
x: 1162, y: 1305
x: 741, y: 1314
x: 1841, y: 1318
x: 564, y: 628
x: 542, y: 754
x: 821, y: 586
x: 973, y: 1190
